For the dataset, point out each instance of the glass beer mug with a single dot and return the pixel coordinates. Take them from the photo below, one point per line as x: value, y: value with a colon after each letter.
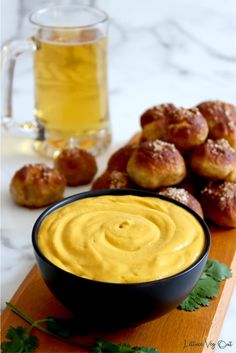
x: 69, y: 47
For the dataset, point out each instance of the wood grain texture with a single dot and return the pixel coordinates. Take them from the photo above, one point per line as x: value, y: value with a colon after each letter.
x: 169, y: 333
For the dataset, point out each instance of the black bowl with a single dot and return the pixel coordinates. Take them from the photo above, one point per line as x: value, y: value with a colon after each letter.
x: 102, y: 305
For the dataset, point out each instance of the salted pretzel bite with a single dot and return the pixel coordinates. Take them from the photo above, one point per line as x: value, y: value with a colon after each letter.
x: 158, y: 112
x: 119, y: 159
x: 114, y: 179
x: 77, y: 165
x: 184, y: 197
x: 215, y: 159
x: 155, y: 120
x: 218, y: 200
x: 36, y: 185
x: 186, y: 128
x: 155, y: 164
x: 221, y: 119
x: 155, y: 130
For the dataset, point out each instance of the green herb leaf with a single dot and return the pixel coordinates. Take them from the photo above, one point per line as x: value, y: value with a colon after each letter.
x: 19, y: 341
x: 207, y: 286
x: 145, y: 350
x: 102, y: 346
x: 217, y: 270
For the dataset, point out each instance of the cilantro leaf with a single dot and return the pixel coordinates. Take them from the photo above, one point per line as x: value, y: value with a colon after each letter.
x: 19, y: 341
x: 207, y: 286
x: 217, y: 270
x: 102, y: 346
x: 145, y: 350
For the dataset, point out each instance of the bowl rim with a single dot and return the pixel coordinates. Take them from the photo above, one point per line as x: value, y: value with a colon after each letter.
x: 119, y: 192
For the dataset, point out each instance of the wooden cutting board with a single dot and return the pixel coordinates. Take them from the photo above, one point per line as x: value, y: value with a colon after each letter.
x: 169, y: 333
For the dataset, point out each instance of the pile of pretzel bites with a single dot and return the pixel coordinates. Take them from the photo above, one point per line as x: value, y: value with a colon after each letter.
x: 186, y: 154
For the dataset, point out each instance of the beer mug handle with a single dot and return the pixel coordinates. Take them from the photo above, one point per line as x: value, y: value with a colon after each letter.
x: 10, y: 53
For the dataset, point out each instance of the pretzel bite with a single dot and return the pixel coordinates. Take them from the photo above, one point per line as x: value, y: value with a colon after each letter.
x: 154, y: 130
x: 215, y: 160
x: 155, y: 121
x: 184, y: 197
x: 156, y: 163
x: 119, y: 159
x: 78, y: 166
x: 221, y: 119
x: 218, y: 200
x: 112, y: 180
x: 158, y: 112
x: 37, y: 185
x: 186, y: 128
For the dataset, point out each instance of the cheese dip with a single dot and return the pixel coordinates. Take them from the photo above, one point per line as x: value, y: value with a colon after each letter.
x: 121, y: 239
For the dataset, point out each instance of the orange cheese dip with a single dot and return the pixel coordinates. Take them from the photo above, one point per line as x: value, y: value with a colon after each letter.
x: 121, y: 239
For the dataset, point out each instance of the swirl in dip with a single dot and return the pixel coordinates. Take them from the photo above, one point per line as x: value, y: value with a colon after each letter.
x: 121, y: 239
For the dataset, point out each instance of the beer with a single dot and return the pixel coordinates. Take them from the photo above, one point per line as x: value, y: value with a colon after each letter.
x: 71, y: 85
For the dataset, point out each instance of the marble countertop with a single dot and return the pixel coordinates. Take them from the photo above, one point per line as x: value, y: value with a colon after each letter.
x: 180, y: 51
